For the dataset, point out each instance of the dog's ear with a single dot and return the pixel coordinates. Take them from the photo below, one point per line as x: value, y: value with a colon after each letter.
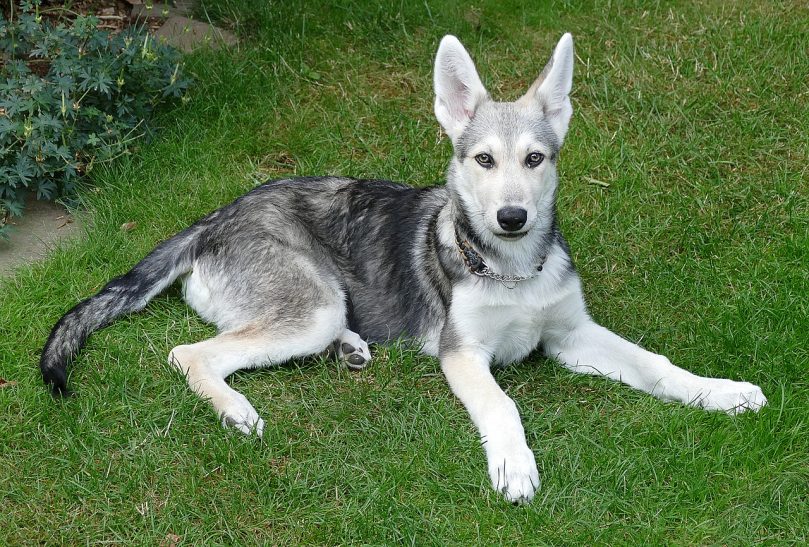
x: 458, y: 90
x: 551, y: 91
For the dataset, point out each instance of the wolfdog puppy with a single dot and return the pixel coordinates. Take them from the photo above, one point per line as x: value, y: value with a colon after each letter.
x: 476, y: 272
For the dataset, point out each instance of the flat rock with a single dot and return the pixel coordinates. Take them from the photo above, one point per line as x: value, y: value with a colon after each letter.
x: 187, y: 35
x: 44, y: 224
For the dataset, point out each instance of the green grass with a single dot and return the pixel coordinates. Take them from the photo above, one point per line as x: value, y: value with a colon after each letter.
x: 697, y: 118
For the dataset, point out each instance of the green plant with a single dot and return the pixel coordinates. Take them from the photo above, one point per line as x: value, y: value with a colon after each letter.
x: 71, y: 96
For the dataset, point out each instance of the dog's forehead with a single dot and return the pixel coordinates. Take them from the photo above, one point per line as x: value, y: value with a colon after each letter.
x: 511, y: 124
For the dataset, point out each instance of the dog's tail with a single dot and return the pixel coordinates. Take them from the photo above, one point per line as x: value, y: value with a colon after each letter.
x: 128, y: 293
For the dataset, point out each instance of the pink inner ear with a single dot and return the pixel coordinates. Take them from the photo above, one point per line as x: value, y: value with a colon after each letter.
x: 460, y: 112
x: 455, y: 109
x: 460, y: 94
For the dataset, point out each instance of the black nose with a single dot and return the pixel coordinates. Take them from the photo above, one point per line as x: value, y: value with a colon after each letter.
x: 512, y: 219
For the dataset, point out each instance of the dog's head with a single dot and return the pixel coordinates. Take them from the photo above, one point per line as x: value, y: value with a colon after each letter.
x: 503, y: 172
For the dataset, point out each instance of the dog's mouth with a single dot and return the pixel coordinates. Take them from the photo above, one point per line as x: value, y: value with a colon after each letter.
x: 508, y: 236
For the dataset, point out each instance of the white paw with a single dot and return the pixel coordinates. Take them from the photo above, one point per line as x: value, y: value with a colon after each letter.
x: 513, y: 470
x: 727, y: 396
x: 353, y: 350
x: 240, y: 414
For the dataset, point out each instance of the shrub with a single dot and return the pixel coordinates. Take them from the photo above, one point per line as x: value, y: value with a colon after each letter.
x: 72, y: 96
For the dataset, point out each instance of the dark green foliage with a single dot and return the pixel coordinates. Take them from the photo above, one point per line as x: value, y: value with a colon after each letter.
x: 72, y: 96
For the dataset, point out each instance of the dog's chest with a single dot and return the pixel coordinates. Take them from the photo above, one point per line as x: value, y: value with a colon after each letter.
x: 507, y: 323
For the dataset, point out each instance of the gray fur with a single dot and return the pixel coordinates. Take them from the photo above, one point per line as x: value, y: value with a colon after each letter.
x: 506, y: 121
x: 290, y: 246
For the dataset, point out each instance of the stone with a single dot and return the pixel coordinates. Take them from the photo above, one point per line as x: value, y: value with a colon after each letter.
x: 183, y: 7
x: 187, y: 35
x: 43, y: 226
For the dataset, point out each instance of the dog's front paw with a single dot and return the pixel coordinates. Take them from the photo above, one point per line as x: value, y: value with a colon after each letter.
x: 728, y: 396
x: 513, y: 471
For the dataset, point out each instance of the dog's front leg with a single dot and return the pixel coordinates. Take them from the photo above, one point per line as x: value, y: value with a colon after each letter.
x: 512, y: 467
x: 585, y: 346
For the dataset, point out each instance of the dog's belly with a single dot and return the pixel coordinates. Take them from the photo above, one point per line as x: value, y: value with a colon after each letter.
x: 197, y: 294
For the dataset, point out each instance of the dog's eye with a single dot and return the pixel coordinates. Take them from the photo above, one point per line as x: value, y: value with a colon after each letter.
x: 534, y: 158
x: 485, y: 160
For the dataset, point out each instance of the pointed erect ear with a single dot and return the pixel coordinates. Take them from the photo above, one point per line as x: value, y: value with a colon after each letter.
x: 551, y: 91
x: 458, y: 90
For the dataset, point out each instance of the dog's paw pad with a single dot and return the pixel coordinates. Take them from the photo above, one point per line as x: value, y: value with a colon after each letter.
x: 356, y: 359
x: 347, y: 348
x: 352, y: 350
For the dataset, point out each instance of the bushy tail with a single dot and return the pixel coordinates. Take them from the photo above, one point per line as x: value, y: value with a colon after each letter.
x: 128, y: 293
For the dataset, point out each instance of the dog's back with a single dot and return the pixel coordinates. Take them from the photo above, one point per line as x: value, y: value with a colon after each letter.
x: 372, y: 238
x: 377, y: 236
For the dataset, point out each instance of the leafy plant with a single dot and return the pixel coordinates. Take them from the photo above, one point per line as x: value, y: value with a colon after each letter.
x: 73, y: 96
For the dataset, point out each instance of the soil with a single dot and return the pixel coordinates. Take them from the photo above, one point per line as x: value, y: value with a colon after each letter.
x: 114, y: 15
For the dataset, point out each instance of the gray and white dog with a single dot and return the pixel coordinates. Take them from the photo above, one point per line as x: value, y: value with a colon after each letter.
x: 476, y: 272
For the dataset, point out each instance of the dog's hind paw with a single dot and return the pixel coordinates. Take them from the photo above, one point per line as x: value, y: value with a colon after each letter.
x: 352, y: 350
x: 241, y: 415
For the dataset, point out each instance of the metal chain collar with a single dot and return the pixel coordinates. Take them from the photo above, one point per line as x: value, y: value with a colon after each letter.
x: 478, y: 266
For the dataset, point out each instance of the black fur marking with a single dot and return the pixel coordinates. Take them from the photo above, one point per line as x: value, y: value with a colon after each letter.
x: 435, y: 263
x: 371, y: 231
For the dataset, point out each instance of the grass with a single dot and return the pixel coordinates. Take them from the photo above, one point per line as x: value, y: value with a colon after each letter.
x: 696, y: 118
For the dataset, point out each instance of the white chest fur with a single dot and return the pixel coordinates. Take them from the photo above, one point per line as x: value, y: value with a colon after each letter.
x: 507, y: 323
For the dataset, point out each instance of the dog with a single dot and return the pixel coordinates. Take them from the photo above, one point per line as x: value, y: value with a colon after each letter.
x: 476, y: 272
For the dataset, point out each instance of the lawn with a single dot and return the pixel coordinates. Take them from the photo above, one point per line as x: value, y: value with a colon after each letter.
x: 685, y: 199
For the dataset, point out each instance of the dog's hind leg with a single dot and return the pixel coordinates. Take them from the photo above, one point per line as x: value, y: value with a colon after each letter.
x: 352, y: 349
x: 206, y: 364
